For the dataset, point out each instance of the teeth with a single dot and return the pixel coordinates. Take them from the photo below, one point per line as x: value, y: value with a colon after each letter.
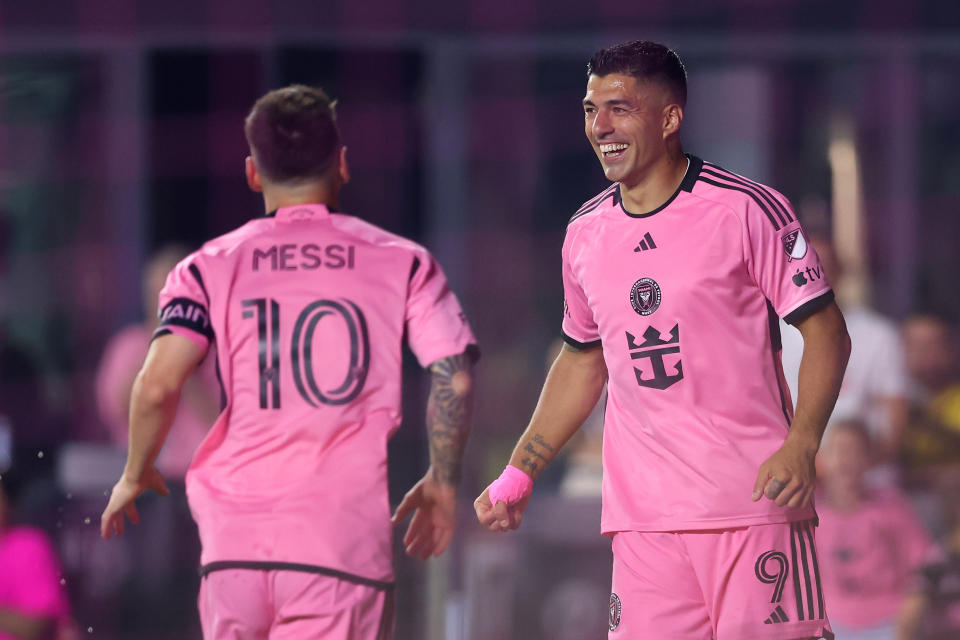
x: 610, y: 148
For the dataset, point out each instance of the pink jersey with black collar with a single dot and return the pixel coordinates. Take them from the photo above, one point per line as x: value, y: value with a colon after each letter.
x: 309, y: 310
x: 684, y: 301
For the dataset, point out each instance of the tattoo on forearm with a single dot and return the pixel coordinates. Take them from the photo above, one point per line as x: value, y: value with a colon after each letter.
x: 448, y: 414
x: 539, y: 450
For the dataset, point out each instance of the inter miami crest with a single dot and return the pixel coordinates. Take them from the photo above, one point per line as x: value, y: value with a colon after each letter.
x: 795, y: 245
x: 614, y: 611
x: 645, y: 296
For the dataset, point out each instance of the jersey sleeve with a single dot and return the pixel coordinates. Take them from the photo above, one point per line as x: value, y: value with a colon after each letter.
x: 184, y: 304
x: 783, y: 263
x: 436, y: 325
x: 578, y: 327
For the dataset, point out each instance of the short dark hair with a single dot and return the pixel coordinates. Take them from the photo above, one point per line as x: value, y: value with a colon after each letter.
x: 644, y: 60
x: 293, y: 134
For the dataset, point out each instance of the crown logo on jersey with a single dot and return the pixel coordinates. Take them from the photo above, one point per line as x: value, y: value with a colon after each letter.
x: 655, y: 348
x: 795, y: 245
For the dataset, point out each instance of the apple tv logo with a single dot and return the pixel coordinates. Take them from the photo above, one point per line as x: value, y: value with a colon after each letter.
x: 804, y: 277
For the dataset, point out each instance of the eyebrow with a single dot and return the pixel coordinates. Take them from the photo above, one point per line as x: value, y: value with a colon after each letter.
x: 587, y: 102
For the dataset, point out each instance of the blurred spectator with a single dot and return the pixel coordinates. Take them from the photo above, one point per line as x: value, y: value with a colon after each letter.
x: 932, y: 438
x: 875, y: 384
x: 122, y: 359
x: 933, y: 612
x: 33, y: 601
x: 872, y: 544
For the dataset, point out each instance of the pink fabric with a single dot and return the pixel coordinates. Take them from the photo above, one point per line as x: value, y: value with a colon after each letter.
x: 308, y: 310
x: 511, y: 487
x: 870, y: 558
x: 122, y: 359
x: 719, y: 584
x: 30, y: 576
x: 239, y: 604
x: 696, y: 400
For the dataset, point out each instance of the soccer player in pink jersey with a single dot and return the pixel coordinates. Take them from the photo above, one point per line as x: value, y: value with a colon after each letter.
x: 309, y: 309
x: 673, y: 280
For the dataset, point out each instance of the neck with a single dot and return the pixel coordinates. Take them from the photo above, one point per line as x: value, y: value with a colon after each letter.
x: 658, y: 182
x: 312, y: 193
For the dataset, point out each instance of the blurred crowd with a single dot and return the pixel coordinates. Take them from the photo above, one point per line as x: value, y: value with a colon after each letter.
x: 889, y: 476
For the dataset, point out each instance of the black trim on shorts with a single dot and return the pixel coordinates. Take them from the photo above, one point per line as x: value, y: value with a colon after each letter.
x: 809, y: 308
x: 581, y: 346
x: 224, y: 565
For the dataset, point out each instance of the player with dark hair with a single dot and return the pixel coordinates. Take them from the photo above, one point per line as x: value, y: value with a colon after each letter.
x: 673, y: 280
x: 309, y: 309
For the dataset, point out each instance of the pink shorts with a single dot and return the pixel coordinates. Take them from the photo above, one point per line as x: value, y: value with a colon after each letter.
x: 251, y: 604
x: 760, y: 582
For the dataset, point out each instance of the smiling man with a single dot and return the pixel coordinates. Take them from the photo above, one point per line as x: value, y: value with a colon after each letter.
x: 673, y: 280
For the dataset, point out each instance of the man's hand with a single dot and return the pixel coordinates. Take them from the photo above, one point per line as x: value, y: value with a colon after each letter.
x: 499, y: 517
x: 788, y: 477
x: 122, y: 498
x: 433, y: 504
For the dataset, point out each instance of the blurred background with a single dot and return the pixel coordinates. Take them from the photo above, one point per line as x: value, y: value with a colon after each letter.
x: 121, y: 149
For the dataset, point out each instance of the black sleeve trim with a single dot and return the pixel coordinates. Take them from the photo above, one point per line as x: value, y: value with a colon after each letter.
x: 293, y: 566
x: 581, y: 346
x: 187, y: 313
x: 160, y: 332
x: 809, y: 308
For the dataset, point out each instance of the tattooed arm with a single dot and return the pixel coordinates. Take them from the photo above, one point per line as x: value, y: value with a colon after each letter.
x: 433, y: 499
x: 569, y: 394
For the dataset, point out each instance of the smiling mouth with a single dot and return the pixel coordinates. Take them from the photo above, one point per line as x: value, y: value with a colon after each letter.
x: 613, y: 151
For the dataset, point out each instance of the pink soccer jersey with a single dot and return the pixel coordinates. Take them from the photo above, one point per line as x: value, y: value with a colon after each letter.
x: 684, y: 301
x: 309, y: 310
x: 30, y: 577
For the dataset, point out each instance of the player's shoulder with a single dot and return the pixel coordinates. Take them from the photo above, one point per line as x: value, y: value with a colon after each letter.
x: 743, y: 195
x: 368, y: 233
x: 592, y: 207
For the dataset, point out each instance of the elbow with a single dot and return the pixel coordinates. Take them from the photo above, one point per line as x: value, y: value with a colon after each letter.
x: 154, y: 391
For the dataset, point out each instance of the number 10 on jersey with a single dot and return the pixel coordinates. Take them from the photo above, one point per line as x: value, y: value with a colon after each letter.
x: 266, y: 313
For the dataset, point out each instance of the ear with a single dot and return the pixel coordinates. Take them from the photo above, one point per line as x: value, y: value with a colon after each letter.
x: 253, y: 176
x: 672, y: 118
x: 342, y: 167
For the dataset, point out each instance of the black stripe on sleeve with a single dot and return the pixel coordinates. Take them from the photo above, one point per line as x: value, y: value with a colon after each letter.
x: 796, y: 573
x: 610, y: 192
x: 195, y: 272
x: 580, y: 346
x: 816, y: 568
x: 782, y: 212
x: 766, y: 210
x: 224, y: 565
x: 809, y: 308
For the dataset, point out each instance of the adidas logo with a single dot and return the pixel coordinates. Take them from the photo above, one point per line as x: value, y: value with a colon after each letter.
x: 778, y: 615
x: 646, y: 244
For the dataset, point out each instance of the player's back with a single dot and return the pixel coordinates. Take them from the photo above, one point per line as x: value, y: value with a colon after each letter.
x: 309, y: 310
